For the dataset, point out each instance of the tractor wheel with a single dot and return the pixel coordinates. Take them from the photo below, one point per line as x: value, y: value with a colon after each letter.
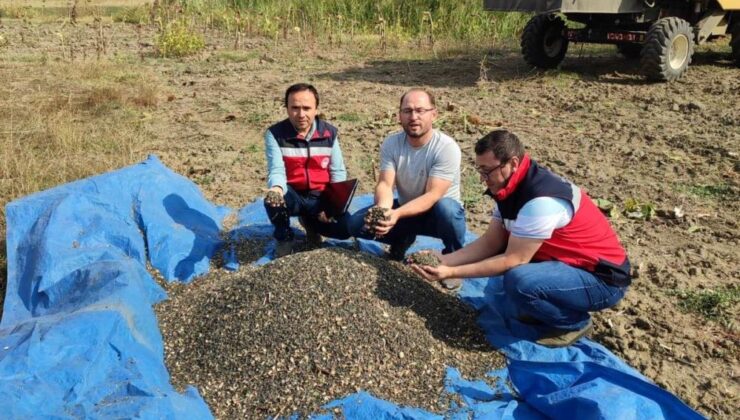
x: 543, y: 42
x: 630, y: 50
x: 668, y: 49
x: 735, y: 42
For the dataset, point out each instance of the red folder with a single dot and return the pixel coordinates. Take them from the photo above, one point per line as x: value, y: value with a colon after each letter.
x: 337, y: 196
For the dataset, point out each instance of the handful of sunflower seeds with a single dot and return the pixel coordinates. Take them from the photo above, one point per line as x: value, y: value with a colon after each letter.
x: 423, y: 258
x: 274, y: 199
x: 374, y: 216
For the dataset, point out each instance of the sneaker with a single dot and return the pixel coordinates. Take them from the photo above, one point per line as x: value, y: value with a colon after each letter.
x: 564, y: 338
x: 284, y: 248
x: 398, y: 250
x: 451, y: 284
x: 313, y: 238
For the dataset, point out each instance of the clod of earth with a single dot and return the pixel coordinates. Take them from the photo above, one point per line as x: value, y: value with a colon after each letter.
x: 274, y: 199
x: 423, y: 258
x: 374, y: 216
x: 290, y: 336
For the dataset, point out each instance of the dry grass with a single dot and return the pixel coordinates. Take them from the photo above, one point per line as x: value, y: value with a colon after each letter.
x: 65, y: 121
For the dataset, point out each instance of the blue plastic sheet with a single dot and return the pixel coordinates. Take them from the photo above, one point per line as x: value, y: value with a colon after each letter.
x: 79, y: 338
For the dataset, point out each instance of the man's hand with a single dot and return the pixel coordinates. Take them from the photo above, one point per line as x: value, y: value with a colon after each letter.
x: 433, y: 252
x: 433, y: 274
x: 274, y: 197
x: 384, y: 226
x: 373, y: 217
x: 323, y: 218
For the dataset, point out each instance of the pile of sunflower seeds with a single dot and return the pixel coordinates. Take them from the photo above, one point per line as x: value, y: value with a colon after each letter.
x: 290, y: 336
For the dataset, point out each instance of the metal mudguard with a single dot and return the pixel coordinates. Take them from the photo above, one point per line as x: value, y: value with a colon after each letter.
x: 566, y: 6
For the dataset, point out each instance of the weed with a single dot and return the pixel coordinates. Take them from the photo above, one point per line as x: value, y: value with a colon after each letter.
x: 349, y: 117
x: 471, y: 190
x: 717, y: 191
x: 257, y: 118
x: 635, y: 209
x: 716, y: 304
x: 135, y: 15
x: 177, y: 40
x: 236, y: 56
x: 18, y: 12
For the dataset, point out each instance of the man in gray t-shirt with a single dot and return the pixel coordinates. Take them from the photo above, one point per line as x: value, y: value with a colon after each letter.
x: 423, y: 165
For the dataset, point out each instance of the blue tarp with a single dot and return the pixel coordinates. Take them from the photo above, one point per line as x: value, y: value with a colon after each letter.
x: 79, y: 338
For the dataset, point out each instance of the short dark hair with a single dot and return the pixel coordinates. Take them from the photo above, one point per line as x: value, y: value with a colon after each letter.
x: 429, y: 94
x: 300, y: 87
x: 502, y: 143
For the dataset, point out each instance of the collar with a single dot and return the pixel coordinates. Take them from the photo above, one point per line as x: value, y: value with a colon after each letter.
x: 311, y: 131
x: 514, y: 180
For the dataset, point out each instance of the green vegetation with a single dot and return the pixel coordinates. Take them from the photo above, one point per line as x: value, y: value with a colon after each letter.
x: 717, y: 304
x: 236, y: 56
x: 334, y: 19
x: 472, y: 190
x: 349, y: 117
x: 718, y: 191
x: 136, y: 15
x: 177, y: 40
x: 18, y: 12
x: 635, y: 209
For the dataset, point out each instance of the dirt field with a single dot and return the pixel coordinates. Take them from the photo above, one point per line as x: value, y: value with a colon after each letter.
x: 673, y: 148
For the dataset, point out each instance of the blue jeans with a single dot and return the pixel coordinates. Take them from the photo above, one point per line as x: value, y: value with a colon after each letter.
x: 309, y: 206
x: 558, y: 295
x: 445, y: 221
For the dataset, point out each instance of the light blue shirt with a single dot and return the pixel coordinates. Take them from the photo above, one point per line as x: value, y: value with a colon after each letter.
x: 276, y: 167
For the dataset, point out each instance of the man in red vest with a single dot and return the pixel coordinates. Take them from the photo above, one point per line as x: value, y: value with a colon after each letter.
x: 303, y: 156
x: 559, y: 257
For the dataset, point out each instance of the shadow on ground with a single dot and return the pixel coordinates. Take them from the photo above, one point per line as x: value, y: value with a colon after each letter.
x: 503, y: 65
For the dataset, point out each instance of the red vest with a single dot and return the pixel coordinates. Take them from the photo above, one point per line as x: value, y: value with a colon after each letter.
x: 306, y: 160
x: 587, y: 242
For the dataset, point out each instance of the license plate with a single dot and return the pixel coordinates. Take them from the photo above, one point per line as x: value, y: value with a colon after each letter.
x: 625, y: 36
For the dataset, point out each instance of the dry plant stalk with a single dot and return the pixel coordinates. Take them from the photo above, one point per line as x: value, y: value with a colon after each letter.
x: 153, y: 10
x: 238, y: 29
x: 381, y: 31
x: 427, y: 19
x: 483, y: 70
x: 73, y: 12
x: 101, y: 44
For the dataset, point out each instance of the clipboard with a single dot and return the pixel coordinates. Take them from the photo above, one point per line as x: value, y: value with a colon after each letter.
x: 337, y: 196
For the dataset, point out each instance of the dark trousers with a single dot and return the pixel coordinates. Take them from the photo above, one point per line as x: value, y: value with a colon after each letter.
x: 445, y: 221
x: 309, y: 206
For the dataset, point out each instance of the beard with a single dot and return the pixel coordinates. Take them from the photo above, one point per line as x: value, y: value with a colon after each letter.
x: 415, y: 132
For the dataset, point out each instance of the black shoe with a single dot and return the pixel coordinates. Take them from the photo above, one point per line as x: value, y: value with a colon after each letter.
x: 398, y: 250
x: 283, y: 248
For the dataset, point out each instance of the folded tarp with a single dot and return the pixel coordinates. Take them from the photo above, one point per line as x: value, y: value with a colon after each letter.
x: 79, y: 338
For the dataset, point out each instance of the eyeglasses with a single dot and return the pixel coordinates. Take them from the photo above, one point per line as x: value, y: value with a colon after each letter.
x: 419, y: 111
x: 486, y: 174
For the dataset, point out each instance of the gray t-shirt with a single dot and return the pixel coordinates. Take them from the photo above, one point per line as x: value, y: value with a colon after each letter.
x: 439, y: 158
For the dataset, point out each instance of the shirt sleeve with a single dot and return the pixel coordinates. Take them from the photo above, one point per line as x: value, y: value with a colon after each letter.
x: 496, y: 214
x: 447, y: 163
x: 387, y: 155
x: 336, y: 167
x: 539, y: 217
x: 275, y: 165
